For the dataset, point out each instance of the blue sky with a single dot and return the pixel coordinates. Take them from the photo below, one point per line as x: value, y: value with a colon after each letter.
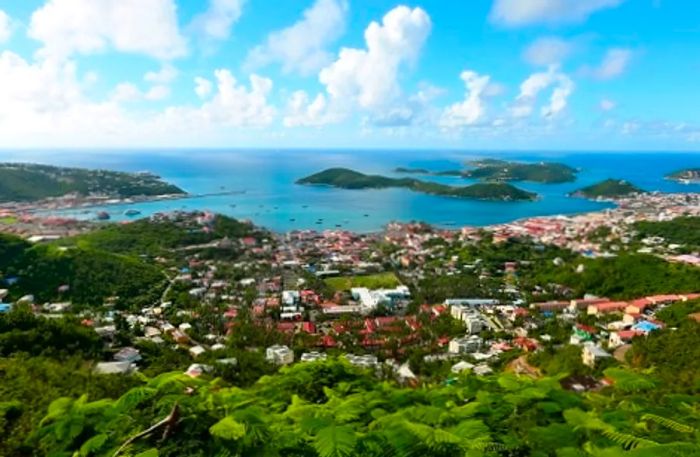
x: 479, y: 74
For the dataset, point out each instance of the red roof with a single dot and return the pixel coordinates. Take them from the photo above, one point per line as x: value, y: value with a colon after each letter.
x: 587, y: 328
x: 327, y: 341
x: 627, y: 335
x: 308, y: 327
x: 286, y: 327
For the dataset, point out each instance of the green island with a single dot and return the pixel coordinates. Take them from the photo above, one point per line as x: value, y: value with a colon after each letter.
x: 686, y: 176
x: 417, y: 171
x: 610, y: 188
x: 29, y: 182
x: 349, y: 179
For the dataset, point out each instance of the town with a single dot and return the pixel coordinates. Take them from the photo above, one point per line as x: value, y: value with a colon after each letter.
x: 414, y: 301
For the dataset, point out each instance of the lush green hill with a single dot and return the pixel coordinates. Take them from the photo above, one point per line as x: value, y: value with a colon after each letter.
x: 91, y: 275
x: 22, y: 182
x: 499, y: 170
x: 350, y: 179
x: 610, y: 188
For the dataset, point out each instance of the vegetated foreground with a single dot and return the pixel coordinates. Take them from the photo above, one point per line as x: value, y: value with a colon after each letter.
x: 349, y: 179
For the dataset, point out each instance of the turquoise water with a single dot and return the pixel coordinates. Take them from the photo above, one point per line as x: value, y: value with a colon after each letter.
x: 270, y: 198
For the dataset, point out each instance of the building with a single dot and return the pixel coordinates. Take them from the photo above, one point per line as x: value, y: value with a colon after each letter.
x: 362, y: 361
x: 465, y: 345
x: 607, y: 307
x: 313, y: 356
x: 125, y: 367
x: 370, y: 299
x: 461, y: 366
x: 279, y: 355
x: 592, y: 354
x: 617, y: 339
x: 471, y: 302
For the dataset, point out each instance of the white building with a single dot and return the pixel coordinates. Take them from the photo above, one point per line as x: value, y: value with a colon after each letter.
x: 279, y: 355
x: 290, y: 297
x: 592, y: 354
x: 312, y: 356
x: 461, y: 366
x: 465, y: 344
x: 363, y: 361
x: 370, y: 299
x: 471, y: 302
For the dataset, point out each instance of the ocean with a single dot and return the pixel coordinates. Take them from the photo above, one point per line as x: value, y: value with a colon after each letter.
x: 260, y: 184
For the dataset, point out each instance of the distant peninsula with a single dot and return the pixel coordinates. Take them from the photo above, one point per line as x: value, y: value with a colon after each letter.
x: 610, y: 188
x: 349, y: 179
x: 501, y: 170
x: 686, y: 176
x: 23, y: 182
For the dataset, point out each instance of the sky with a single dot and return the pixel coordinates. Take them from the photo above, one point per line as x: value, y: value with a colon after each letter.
x: 598, y: 75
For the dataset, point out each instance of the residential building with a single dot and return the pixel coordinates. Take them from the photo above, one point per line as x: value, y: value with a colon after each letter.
x: 592, y: 354
x: 279, y: 355
x: 465, y: 345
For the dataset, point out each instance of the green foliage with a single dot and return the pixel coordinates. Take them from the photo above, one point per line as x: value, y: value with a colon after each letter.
x: 34, y: 182
x: 375, y: 281
x: 681, y: 230
x: 544, y: 172
x: 353, y: 414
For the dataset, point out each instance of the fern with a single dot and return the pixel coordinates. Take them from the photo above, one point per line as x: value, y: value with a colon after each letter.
x: 335, y: 441
x: 668, y: 423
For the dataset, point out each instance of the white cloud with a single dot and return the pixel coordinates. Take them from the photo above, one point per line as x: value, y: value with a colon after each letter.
x: 165, y: 75
x: 5, y: 27
x: 129, y: 92
x: 302, y: 47
x: 216, y: 22
x: 89, y: 26
x: 369, y: 77
x: 607, y: 104
x: 471, y: 110
x: 547, y: 51
x: 301, y: 112
x: 233, y: 104
x: 526, y: 12
x: 613, y: 65
x: 536, y: 83
x: 202, y: 87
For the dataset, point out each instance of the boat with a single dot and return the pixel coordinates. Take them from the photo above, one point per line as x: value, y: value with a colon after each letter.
x: 102, y: 216
x: 232, y: 205
x: 132, y: 212
x: 292, y: 220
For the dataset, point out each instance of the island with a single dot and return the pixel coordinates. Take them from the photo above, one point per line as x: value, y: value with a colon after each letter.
x: 22, y: 182
x: 686, y: 176
x: 350, y: 179
x: 501, y: 170
x: 608, y: 189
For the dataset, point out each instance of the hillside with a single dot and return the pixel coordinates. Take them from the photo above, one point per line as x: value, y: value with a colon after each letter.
x: 349, y: 179
x: 610, y: 188
x: 27, y: 182
x: 688, y: 175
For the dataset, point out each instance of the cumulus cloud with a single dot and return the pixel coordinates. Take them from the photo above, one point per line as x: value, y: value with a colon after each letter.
x: 514, y: 13
x: 216, y: 22
x: 614, y: 64
x: 562, y: 87
x: 165, y: 75
x: 302, y: 47
x: 5, y: 27
x: 547, y: 51
x: 147, y: 27
x: 472, y: 109
x: 202, y: 87
x: 369, y: 77
x: 303, y: 112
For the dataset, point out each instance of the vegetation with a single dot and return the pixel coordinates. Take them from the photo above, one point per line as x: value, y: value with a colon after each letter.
x: 686, y: 175
x: 349, y: 179
x: 376, y: 281
x: 610, y: 188
x: 625, y: 276
x: 21, y: 182
x: 418, y: 171
x: 684, y: 231
x: 331, y: 409
x: 84, y: 276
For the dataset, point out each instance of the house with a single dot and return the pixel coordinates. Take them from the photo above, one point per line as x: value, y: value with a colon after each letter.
x: 196, y: 351
x: 482, y: 370
x: 621, y: 337
x: 197, y: 369
x: 592, y: 354
x: 127, y: 354
x: 362, y: 361
x: 279, y: 355
x: 3, y: 294
x: 115, y: 368
x: 582, y: 333
x: 461, y: 366
x: 551, y: 306
x: 607, y: 307
x: 465, y: 345
x: 313, y: 356
x: 638, y: 306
